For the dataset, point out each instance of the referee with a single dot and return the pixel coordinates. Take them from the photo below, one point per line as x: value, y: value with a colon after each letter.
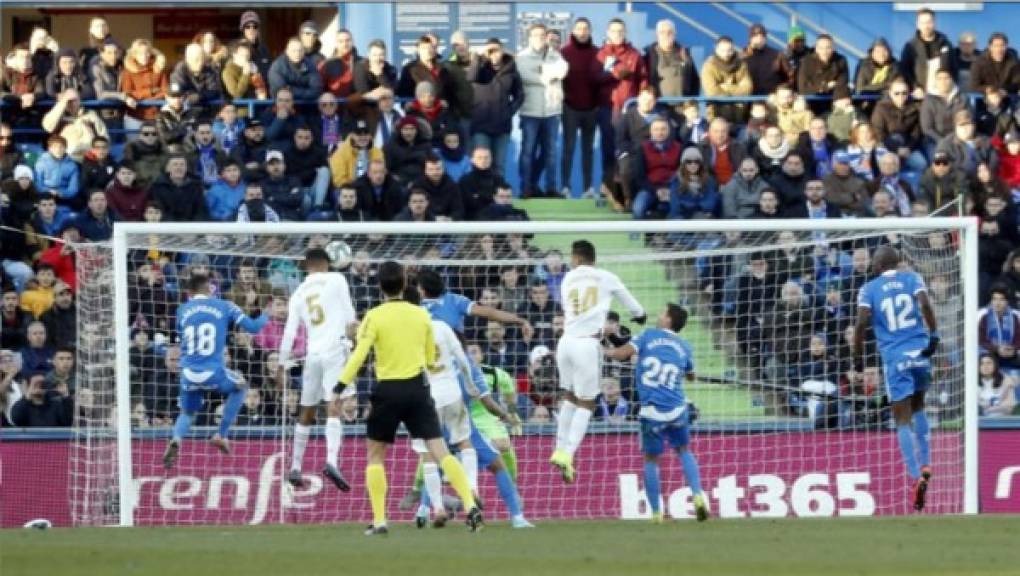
x: 400, y: 333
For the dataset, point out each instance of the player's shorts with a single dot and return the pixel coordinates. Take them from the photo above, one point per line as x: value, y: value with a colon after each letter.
x: 490, y: 427
x: 318, y: 378
x: 907, y: 375
x: 655, y: 435
x: 579, y: 361
x: 195, y: 385
x: 408, y: 401
x: 456, y: 425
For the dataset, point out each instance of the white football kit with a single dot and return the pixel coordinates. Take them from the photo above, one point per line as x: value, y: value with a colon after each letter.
x: 445, y: 387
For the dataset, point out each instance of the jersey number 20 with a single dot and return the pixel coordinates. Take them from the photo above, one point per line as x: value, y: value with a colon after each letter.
x: 656, y: 373
x: 898, y: 312
x: 200, y: 340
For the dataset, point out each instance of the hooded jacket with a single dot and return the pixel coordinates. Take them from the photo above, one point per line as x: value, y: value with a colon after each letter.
x: 917, y: 52
x: 149, y: 82
x: 499, y: 94
x: 740, y: 198
x: 872, y: 77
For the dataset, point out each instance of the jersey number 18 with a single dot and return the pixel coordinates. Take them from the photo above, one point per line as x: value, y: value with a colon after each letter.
x: 200, y: 340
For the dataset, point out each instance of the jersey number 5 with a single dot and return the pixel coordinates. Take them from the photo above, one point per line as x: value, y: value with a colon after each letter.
x: 583, y: 302
x: 315, y: 312
x: 200, y: 340
x: 898, y: 312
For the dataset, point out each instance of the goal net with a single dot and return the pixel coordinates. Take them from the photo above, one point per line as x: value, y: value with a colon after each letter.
x: 784, y: 428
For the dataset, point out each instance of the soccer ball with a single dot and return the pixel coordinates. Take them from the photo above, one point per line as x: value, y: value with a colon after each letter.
x: 339, y: 253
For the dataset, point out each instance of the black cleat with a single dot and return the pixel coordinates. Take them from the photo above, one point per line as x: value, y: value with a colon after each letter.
x: 421, y: 521
x: 479, y: 502
x: 333, y: 474
x: 296, y: 479
x: 377, y: 530
x: 170, y: 454
x: 474, y: 519
x: 920, y: 491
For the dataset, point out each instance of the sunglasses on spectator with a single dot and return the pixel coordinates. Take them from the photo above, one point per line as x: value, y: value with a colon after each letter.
x: 899, y: 93
x: 941, y: 162
x: 144, y: 133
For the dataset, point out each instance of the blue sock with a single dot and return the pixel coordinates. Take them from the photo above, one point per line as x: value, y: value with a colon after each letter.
x: 426, y: 502
x: 230, y: 409
x: 182, y: 425
x: 653, y: 490
x: 906, y: 437
x: 691, y: 471
x: 921, y: 429
x: 508, y: 492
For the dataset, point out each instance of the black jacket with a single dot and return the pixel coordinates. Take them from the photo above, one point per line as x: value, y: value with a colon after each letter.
x: 806, y: 151
x: 1003, y: 75
x: 477, y: 188
x: 800, y: 210
x: 54, y: 412
x: 386, y: 204
x: 916, y: 52
x: 61, y: 326
x: 791, y: 189
x: 444, y: 196
x: 284, y: 195
x: 813, y: 76
x: 499, y: 94
x: 406, y: 162
x: 247, y: 152
x: 181, y: 203
x: 890, y: 121
x: 95, y: 175
x: 303, y: 163
x: 414, y: 72
x: 765, y: 67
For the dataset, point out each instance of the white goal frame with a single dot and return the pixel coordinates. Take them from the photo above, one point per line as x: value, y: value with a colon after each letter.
x: 967, y: 227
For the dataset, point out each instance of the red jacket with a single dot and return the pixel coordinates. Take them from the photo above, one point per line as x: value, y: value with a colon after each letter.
x: 626, y: 78
x: 1009, y: 166
x: 584, y: 75
x: 659, y: 168
x: 63, y: 264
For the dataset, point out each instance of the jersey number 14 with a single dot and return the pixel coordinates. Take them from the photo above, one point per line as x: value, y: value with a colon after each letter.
x: 899, y: 312
x: 582, y: 302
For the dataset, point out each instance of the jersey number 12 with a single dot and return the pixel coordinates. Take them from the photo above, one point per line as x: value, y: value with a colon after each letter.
x: 898, y: 312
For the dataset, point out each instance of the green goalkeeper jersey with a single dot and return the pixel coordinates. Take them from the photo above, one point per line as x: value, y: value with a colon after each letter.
x: 500, y: 383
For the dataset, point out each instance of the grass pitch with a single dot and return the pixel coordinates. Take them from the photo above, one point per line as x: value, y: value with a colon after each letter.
x: 831, y: 547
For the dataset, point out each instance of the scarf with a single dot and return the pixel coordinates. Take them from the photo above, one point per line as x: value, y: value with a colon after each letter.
x: 431, y: 113
x: 891, y: 184
x: 207, y: 164
x: 820, y: 153
x: 452, y: 154
x: 774, y: 154
x: 1000, y: 331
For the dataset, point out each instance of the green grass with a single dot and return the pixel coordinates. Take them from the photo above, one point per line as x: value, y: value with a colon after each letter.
x: 651, y: 287
x: 928, y: 546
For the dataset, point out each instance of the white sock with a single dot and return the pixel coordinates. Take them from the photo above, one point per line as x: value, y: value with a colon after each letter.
x: 578, y: 428
x: 563, y: 420
x: 334, y: 437
x: 301, y: 434
x: 469, y: 460
x: 434, y: 486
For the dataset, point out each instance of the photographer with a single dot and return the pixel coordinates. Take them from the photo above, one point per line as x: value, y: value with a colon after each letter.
x: 40, y: 408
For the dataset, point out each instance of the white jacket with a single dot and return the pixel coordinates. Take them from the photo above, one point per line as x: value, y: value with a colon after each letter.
x: 542, y: 75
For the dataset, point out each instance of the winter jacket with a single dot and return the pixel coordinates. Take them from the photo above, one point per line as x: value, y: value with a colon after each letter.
x: 634, y: 128
x: 280, y: 131
x: 740, y: 198
x: 806, y: 148
x: 477, y: 189
x: 813, y: 76
x: 305, y: 164
x: 343, y: 162
x: 461, y: 73
x: 917, y: 52
x: 106, y: 86
x: 1003, y: 75
x: 184, y: 202
x: 793, y: 120
x: 302, y: 78
x: 222, y: 200
x: 149, y: 82
x: 149, y: 161
x: 406, y: 162
x: 790, y: 61
x: 173, y: 125
x: 61, y: 326
x: 790, y: 189
x: 584, y: 74
x: 60, y: 175
x: 764, y: 67
x: 849, y: 192
x: 95, y: 175
x: 433, y: 125
x: 1009, y: 165
x: 720, y: 78
x: 959, y: 155
x: 284, y: 195
x: 655, y: 166
x: 79, y: 129
x: 385, y: 202
x: 337, y: 74
x: 127, y: 203
x: 365, y: 81
x: 542, y: 76
x: 696, y: 204
x: 56, y: 83
x: 678, y: 75
x: 239, y: 83
x: 800, y: 210
x: 996, y: 121
x: 624, y: 79
x: 872, y: 77
x: 499, y: 94
x: 415, y: 71
x: 54, y: 412
x: 736, y: 152
x: 895, y: 126
x: 95, y: 229
x: 937, y: 114
x: 247, y: 152
x: 941, y: 191
x: 444, y: 196
x: 199, y: 89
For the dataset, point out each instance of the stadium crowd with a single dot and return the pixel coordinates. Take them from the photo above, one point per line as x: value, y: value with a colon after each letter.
x: 343, y: 137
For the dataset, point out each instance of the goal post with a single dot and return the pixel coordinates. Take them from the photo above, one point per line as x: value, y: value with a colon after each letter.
x: 801, y: 440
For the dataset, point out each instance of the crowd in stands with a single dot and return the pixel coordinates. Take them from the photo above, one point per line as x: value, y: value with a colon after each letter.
x: 343, y: 137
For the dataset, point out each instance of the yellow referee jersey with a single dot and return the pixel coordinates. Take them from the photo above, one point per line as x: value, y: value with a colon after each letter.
x: 401, y: 335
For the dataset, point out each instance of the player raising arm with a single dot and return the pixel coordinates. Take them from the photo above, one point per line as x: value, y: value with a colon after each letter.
x: 322, y: 305
x: 586, y: 292
x: 452, y: 308
x: 896, y: 304
x: 664, y: 360
x: 400, y: 334
x: 203, y: 323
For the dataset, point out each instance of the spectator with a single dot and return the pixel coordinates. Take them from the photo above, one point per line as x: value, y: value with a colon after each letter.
x: 21, y: 196
x: 20, y: 86
x: 499, y: 94
x: 61, y: 254
x: 160, y: 391
x: 174, y: 121
x: 942, y: 183
x: 996, y: 67
x: 96, y: 222
x: 374, y: 77
x: 198, y: 81
x: 254, y: 208
x: 432, y: 115
x: 249, y: 291
x: 228, y: 128
x: 822, y: 72
x: 348, y: 208
x: 997, y: 116
x: 985, y: 184
x: 754, y: 291
x: 502, y: 209
x: 763, y: 62
x: 56, y: 171
x: 105, y: 74
x: 997, y: 236
x: 308, y: 33
x: 15, y: 321
x: 250, y: 33
x: 405, y: 154
x: 997, y: 396
x: 327, y: 125
x: 512, y: 292
x: 417, y: 209
x: 39, y: 408
x: 61, y: 377
x: 612, y: 406
x: 226, y: 194
x: 479, y: 186
x: 283, y: 193
x: 796, y: 50
x: 882, y: 205
x: 1008, y: 149
x: 216, y: 53
x: 658, y: 159
x: 926, y: 53
x: 623, y: 74
x: 75, y: 124
x: 817, y: 147
x: 97, y: 166
x: 789, y: 183
x: 789, y: 112
x: 61, y: 320
x: 742, y: 194
x: 352, y: 158
x: 510, y: 355
x: 580, y: 99
x: 462, y: 66
x: 146, y: 154
x: 340, y: 72
x: 37, y: 298
x: 790, y: 328
x: 444, y: 194
x: 37, y: 354
x: 362, y: 280
x: 295, y: 70
x: 426, y: 68
x: 281, y: 120
x: 897, y: 124
x: 864, y: 151
x: 379, y: 193
x: 205, y: 157
x: 99, y: 32
x: 845, y: 189
x: 254, y: 412
x: 307, y: 161
x: 241, y: 75
x: 890, y: 180
x: 816, y: 206
x: 181, y: 195
x: 43, y: 48
x: 696, y: 196
x: 385, y: 121
x: 722, y: 154
x: 843, y: 118
x: 724, y: 73
x: 251, y: 151
x: 10, y: 155
x: 771, y: 152
x: 542, y: 71
x: 940, y: 107
x: 964, y: 56
x: 695, y: 126
x: 1010, y: 278
x: 966, y: 149
x: 47, y: 221
x: 671, y: 69
x: 999, y: 329
x: 875, y: 74
x: 633, y: 132
x: 451, y: 150
x: 66, y: 74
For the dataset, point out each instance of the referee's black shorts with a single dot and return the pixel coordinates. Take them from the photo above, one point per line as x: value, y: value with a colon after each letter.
x: 408, y: 401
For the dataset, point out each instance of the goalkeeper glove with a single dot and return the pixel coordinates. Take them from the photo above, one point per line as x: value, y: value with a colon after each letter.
x: 339, y: 388
x: 639, y: 320
x: 933, y: 345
